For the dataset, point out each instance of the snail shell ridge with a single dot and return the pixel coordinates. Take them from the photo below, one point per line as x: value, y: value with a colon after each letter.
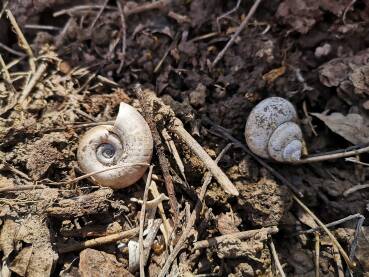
x: 271, y: 130
x: 127, y: 146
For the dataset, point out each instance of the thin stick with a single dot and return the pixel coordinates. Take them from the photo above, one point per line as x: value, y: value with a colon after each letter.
x: 240, y: 235
x: 163, y: 161
x: 354, y: 189
x: 166, y: 225
x: 350, y: 264
x: 355, y: 242
x: 94, y: 173
x: 235, y: 8
x: 21, y: 188
x: 98, y: 16
x: 337, y: 259
x: 28, y: 88
x: 191, y: 221
x: 82, y: 8
x: 139, y: 9
x: 219, y: 175
x: 5, y: 70
x: 173, y: 149
x: 237, y: 33
x: 326, y: 157
x: 42, y: 27
x: 22, y: 40
x: 142, y: 222
x: 276, y: 259
x: 334, y: 223
x: 65, y: 248
x: 160, y: 4
x: 19, y: 54
x: 124, y: 35
x: 317, y: 253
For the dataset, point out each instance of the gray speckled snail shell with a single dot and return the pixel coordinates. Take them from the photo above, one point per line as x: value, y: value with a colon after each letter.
x: 272, y: 132
x: 127, y: 145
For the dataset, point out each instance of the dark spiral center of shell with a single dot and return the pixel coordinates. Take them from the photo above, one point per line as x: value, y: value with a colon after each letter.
x: 106, y: 150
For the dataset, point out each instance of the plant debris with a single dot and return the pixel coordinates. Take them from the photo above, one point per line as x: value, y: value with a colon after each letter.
x: 194, y: 70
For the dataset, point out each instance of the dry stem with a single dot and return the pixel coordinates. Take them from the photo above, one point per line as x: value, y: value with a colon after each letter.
x: 124, y: 35
x: 325, y: 157
x: 22, y: 40
x: 192, y: 219
x: 36, y: 76
x: 142, y: 221
x: 350, y: 264
x: 219, y: 175
x: 237, y: 33
x: 276, y: 259
x: 240, y: 235
x: 163, y: 161
x: 317, y: 253
x: 65, y: 248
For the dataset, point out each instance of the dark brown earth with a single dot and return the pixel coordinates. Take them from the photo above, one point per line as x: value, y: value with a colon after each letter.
x: 314, y: 53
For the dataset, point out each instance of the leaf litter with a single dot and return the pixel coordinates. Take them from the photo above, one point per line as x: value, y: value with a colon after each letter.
x: 313, y: 53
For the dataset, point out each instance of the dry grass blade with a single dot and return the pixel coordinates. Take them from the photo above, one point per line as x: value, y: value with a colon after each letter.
x: 22, y: 40
x: 317, y: 253
x: 28, y: 88
x: 351, y: 264
x: 240, y: 235
x: 163, y: 160
x: 124, y: 35
x: 142, y: 221
x: 65, y: 248
x: 93, y: 173
x: 333, y: 156
x: 191, y: 221
x: 237, y: 33
x: 219, y: 175
x: 276, y: 259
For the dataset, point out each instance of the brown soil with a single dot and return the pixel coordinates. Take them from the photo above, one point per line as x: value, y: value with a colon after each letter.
x: 313, y: 53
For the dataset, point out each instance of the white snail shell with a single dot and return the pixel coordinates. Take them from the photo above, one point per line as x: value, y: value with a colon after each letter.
x: 272, y: 132
x: 127, y: 145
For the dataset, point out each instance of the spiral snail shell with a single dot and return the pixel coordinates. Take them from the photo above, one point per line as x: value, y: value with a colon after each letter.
x: 272, y: 132
x: 127, y: 146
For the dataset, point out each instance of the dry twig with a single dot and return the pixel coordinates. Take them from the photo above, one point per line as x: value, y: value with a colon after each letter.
x: 22, y: 40
x: 163, y: 161
x: 219, y: 175
x: 317, y: 253
x: 237, y: 33
x: 21, y: 188
x: 332, y: 156
x: 124, y: 35
x: 240, y: 235
x: 192, y: 219
x: 65, y: 248
x: 28, y: 88
x: 142, y: 221
x: 276, y: 259
x: 351, y: 264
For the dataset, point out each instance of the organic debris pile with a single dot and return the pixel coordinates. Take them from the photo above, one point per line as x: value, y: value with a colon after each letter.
x: 206, y: 206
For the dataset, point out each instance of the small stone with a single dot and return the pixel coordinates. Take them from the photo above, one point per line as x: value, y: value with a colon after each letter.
x: 198, y: 96
x: 323, y: 50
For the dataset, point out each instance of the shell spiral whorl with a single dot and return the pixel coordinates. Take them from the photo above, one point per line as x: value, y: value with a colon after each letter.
x: 128, y: 145
x: 272, y: 132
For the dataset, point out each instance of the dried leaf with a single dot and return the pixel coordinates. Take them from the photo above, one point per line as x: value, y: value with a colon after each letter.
x: 274, y: 74
x: 352, y: 127
x: 20, y: 264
